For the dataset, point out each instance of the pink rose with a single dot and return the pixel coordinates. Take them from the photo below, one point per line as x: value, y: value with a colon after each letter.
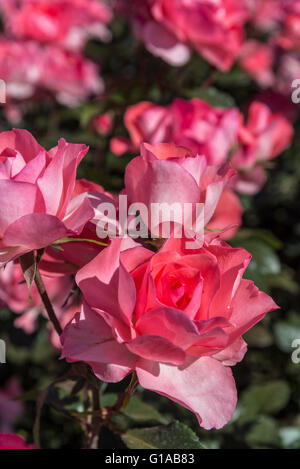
x: 228, y: 213
x: 12, y: 441
x: 212, y: 28
x: 173, y: 174
x: 175, y: 317
x: 67, y: 258
x: 66, y: 22
x: 262, y: 138
x: 14, y: 294
x: 103, y: 124
x: 258, y: 59
x: 194, y: 124
x: 36, y: 189
x: 26, y: 67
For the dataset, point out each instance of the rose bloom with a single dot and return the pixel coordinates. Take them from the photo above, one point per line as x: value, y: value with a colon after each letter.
x: 262, y: 138
x: 228, y: 215
x: 174, y: 175
x: 214, y: 28
x: 14, y: 295
x: 36, y: 190
x: 27, y: 67
x: 194, y: 124
x: 176, y: 317
x: 12, y: 441
x: 258, y: 59
x: 65, y: 22
x: 73, y: 253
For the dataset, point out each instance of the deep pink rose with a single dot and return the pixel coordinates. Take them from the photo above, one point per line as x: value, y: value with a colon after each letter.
x: 66, y: 22
x: 36, y: 190
x: 12, y: 441
x: 175, y: 317
x: 214, y: 28
x: 166, y: 173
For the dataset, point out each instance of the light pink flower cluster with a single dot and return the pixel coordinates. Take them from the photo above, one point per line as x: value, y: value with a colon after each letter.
x: 219, y: 134
x: 275, y: 62
x: 41, y: 48
x: 175, y: 315
x: 170, y: 30
x: 28, y: 68
x: 61, y: 22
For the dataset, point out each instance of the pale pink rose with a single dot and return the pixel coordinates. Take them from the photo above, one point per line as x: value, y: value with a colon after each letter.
x: 170, y: 174
x: 36, y: 190
x: 14, y: 294
x: 175, y: 317
x: 194, y: 124
x: 258, y: 59
x: 65, y: 22
x: 13, y: 441
x: 228, y: 213
x: 10, y: 409
x: 214, y: 28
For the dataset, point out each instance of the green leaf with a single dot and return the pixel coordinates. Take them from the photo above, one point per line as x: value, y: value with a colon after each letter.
x: 213, y: 96
x: 285, y: 334
x: 172, y: 436
x: 141, y: 412
x: 268, y: 398
x: 264, y: 433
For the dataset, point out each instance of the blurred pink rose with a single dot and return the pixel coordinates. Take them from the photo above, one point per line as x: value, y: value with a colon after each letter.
x: 10, y: 409
x: 103, y: 124
x: 177, y: 319
x: 14, y: 294
x: 65, y: 22
x: 262, y: 138
x: 12, y: 441
x: 172, y: 174
x: 194, y: 124
x: 214, y: 28
x: 27, y: 67
x: 36, y: 190
x: 258, y: 59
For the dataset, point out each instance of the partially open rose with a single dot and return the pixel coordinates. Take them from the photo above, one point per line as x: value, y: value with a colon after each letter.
x: 175, y: 317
